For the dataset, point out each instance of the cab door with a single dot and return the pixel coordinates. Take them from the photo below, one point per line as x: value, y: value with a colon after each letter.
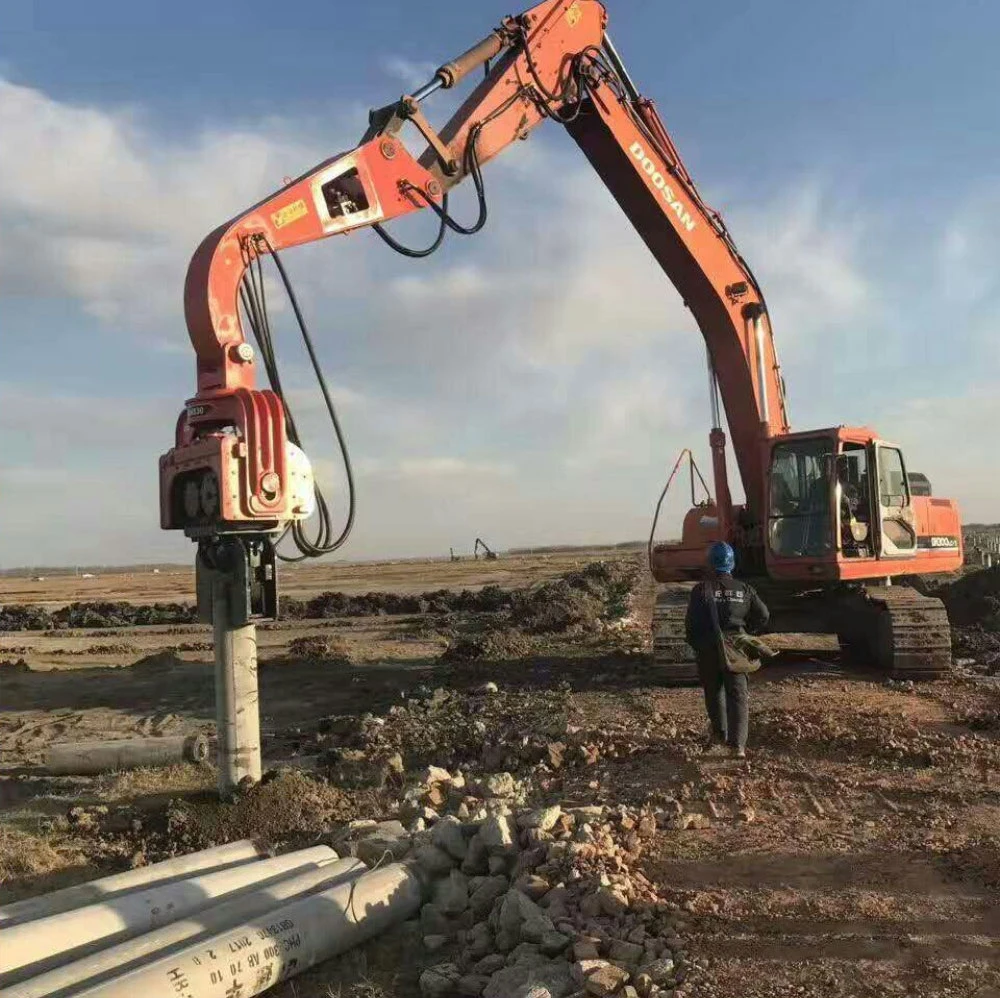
x: 897, y: 533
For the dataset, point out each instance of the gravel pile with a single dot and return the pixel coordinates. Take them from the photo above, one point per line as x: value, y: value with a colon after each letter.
x: 531, y: 902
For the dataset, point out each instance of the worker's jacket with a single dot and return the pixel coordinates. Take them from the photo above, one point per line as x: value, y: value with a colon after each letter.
x: 739, y: 608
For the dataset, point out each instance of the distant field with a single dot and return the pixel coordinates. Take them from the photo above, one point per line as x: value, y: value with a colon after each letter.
x: 176, y: 584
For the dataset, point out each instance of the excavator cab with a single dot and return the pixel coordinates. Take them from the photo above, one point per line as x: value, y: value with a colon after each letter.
x: 840, y: 506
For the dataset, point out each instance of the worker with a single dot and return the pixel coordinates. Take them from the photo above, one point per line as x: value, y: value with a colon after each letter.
x: 849, y: 500
x: 737, y: 606
x: 853, y: 528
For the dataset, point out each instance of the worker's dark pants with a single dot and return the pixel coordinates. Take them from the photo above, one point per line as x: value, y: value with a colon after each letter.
x: 727, y: 698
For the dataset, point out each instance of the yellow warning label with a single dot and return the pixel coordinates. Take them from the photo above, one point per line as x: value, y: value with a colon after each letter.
x: 573, y: 14
x: 291, y: 212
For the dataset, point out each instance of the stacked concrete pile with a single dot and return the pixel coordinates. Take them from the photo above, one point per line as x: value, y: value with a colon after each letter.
x: 534, y: 903
x: 172, y: 927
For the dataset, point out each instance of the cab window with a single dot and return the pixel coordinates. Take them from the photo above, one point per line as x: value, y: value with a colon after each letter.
x: 799, y: 521
x: 892, y: 486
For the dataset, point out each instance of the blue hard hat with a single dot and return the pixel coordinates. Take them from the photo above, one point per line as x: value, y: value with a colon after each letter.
x: 722, y: 557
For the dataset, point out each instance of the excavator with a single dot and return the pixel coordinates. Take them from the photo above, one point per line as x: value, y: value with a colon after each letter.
x: 488, y: 553
x: 832, y: 518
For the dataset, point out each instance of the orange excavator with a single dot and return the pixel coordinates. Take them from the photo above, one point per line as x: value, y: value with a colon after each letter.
x: 831, y: 516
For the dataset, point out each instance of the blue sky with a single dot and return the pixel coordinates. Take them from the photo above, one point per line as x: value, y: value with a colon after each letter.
x: 853, y: 148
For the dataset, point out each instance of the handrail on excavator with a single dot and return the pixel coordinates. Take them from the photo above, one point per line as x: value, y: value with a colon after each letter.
x: 693, y: 471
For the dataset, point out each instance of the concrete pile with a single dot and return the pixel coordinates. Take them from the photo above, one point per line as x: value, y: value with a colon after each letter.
x: 223, y: 921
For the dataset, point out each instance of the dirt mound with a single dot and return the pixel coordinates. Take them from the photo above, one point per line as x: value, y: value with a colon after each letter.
x: 974, y: 599
x: 122, y: 614
x: 506, y: 643
x: 24, y: 618
x: 292, y: 807
x: 490, y: 599
x: 979, y: 644
x: 161, y: 661
x: 292, y: 810
x: 331, y: 604
x: 193, y: 646
x: 578, y: 603
x: 95, y: 615
x: 575, y: 600
x: 318, y: 648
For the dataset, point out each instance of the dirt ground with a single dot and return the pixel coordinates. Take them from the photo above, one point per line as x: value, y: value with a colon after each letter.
x: 405, y: 576
x: 856, y: 852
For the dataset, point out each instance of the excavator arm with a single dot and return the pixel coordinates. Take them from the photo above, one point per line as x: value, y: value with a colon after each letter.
x: 554, y: 61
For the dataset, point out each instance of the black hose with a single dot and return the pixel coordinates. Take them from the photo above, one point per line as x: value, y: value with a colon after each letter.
x: 406, y: 250
x: 253, y: 298
x: 474, y: 169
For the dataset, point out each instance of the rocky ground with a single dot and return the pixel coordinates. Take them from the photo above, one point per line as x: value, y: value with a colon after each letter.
x: 578, y: 841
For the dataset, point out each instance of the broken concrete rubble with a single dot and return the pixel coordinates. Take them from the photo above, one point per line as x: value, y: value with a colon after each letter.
x: 543, y: 818
x: 549, y: 919
x: 498, y: 833
x: 495, y: 785
x: 488, y: 890
x: 599, y: 977
x: 448, y: 836
x: 451, y: 894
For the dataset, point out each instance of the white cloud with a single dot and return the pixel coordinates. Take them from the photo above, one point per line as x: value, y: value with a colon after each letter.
x: 437, y: 468
x: 598, y: 287
x: 412, y: 73
x: 952, y: 440
x: 627, y: 418
x: 98, y: 205
x: 461, y: 282
x: 968, y: 248
x: 809, y: 263
x: 966, y: 280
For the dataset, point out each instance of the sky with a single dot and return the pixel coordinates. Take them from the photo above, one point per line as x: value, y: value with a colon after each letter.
x: 532, y: 384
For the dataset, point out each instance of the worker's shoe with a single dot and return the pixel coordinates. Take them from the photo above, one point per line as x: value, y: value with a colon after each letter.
x: 738, y: 753
x: 714, y: 748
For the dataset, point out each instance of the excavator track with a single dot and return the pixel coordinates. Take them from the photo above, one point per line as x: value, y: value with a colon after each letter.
x: 673, y: 657
x: 897, y: 630
x: 902, y: 633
